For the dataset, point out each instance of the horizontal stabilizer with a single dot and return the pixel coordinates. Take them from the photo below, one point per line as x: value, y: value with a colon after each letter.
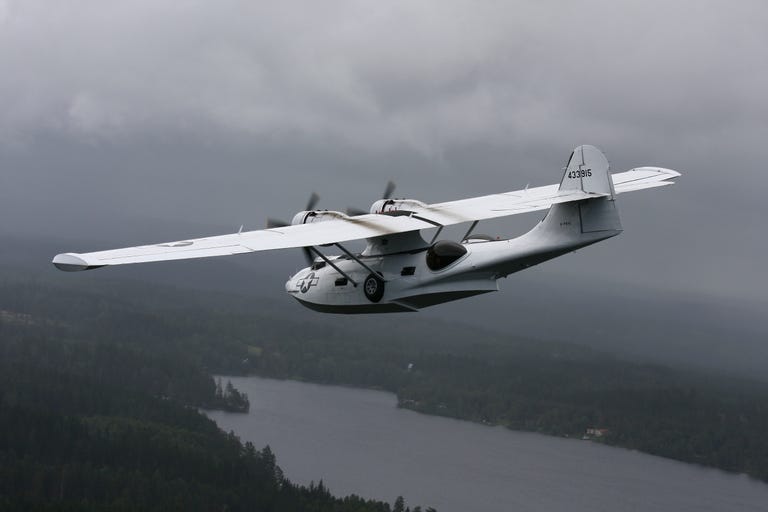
x: 643, y: 177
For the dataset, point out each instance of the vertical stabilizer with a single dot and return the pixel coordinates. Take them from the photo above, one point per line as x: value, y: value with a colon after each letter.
x: 588, y: 219
x: 588, y: 170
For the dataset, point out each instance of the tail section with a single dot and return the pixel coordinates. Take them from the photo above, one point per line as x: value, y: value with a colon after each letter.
x: 588, y: 170
x: 588, y: 220
x: 576, y: 223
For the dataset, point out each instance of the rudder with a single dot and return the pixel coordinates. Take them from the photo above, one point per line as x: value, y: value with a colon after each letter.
x: 588, y: 170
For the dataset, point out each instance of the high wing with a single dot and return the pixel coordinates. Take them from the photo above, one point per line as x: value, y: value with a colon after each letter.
x: 538, y: 198
x: 363, y: 226
x: 303, y: 235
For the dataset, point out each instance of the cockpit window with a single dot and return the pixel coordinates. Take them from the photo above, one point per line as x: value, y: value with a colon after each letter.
x: 443, y: 253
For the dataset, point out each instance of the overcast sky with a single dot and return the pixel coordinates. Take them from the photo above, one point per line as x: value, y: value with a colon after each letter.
x: 122, y: 121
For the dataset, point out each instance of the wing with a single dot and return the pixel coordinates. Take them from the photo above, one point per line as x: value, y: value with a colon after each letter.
x: 538, y: 198
x: 303, y: 235
x: 362, y: 226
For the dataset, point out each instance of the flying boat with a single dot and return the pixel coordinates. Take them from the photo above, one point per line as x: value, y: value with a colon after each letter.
x: 406, y: 265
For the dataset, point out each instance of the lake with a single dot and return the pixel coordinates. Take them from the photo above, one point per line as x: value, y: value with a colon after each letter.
x: 358, y: 441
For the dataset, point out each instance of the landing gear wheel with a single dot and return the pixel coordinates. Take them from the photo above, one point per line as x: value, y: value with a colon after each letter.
x: 373, y: 288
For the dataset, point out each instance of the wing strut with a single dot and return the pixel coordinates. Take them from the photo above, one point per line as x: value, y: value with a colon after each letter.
x: 366, y: 267
x: 472, y: 227
x: 325, y: 259
x: 437, y: 233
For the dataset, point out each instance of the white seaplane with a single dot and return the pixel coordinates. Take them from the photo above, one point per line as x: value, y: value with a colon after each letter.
x: 399, y: 270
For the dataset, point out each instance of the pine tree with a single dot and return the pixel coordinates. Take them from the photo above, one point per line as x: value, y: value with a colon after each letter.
x: 219, y: 391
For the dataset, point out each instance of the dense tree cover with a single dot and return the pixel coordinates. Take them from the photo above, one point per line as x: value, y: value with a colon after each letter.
x: 539, y: 386
x: 706, y: 419
x: 97, y: 413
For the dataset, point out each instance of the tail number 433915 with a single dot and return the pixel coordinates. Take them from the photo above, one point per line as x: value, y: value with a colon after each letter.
x: 580, y: 173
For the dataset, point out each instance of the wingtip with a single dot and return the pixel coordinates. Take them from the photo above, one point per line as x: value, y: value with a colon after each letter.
x: 71, y: 262
x: 670, y: 172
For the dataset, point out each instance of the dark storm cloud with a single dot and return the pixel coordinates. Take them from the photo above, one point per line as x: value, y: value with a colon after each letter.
x: 423, y: 74
x: 222, y: 112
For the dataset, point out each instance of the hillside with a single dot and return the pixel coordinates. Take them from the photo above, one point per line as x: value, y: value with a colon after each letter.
x: 554, y: 388
x: 98, y: 410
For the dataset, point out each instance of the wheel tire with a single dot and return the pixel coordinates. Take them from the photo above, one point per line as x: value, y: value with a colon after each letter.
x: 373, y: 286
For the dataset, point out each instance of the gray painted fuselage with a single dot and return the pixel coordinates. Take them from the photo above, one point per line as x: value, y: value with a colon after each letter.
x: 409, y: 283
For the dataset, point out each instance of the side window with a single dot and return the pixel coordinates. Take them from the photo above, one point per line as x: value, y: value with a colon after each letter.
x: 443, y: 253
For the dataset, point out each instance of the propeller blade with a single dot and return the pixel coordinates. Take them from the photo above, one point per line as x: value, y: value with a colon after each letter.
x: 309, y: 256
x: 389, y: 190
x: 353, y: 212
x: 276, y: 223
x: 313, y: 199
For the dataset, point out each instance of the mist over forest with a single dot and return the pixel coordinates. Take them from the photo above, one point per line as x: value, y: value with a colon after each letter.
x: 634, y: 322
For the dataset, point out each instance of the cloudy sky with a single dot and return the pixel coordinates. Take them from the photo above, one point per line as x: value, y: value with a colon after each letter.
x: 124, y: 121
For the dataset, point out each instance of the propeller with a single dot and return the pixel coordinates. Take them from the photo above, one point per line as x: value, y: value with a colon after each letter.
x: 277, y: 223
x: 308, y: 255
x: 388, y: 191
x: 313, y: 199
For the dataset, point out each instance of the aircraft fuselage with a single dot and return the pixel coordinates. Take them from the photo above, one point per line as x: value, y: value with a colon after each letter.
x: 422, y: 277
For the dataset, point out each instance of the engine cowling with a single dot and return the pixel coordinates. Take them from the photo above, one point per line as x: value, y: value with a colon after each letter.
x: 393, y: 206
x: 310, y: 216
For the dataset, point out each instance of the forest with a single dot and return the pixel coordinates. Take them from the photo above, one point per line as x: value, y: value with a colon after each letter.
x: 107, y: 365
x: 97, y: 412
x: 683, y: 414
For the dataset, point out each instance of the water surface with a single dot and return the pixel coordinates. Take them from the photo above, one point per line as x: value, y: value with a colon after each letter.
x: 358, y: 441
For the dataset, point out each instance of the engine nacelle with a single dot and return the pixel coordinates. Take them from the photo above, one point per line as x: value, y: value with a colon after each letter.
x: 392, y: 206
x: 307, y: 217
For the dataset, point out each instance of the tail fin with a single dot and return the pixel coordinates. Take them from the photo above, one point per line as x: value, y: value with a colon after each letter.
x: 588, y: 170
x: 573, y: 224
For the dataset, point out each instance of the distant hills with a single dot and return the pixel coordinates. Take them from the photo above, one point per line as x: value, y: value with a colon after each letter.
x: 715, y: 333
x: 165, y: 341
